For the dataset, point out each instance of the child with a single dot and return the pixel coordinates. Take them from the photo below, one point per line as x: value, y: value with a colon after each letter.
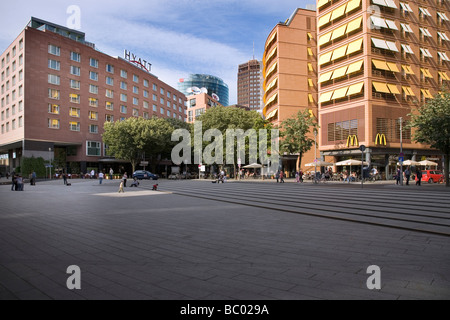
x: 135, y: 183
x: 155, y: 187
x: 121, y: 187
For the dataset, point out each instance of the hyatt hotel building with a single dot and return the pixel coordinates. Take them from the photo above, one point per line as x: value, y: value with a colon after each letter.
x: 57, y: 91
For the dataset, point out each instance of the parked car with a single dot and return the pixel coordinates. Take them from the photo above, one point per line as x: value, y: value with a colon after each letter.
x: 432, y: 176
x: 142, y: 174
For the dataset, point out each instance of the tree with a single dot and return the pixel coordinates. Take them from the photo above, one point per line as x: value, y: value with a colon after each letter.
x: 294, y: 135
x: 130, y: 139
x: 432, y: 126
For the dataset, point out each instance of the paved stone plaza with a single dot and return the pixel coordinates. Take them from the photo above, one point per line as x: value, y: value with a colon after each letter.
x: 201, y: 241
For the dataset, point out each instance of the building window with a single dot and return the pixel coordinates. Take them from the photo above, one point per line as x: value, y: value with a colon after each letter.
x: 93, y: 75
x: 146, y: 95
x: 109, y: 93
x: 145, y: 115
x: 161, y: 91
x: 74, y: 56
x: 155, y: 108
x: 93, y: 115
x: 135, y: 90
x: 74, y: 112
x: 161, y: 110
x: 109, y: 118
x: 53, y: 123
x: 123, y: 97
x: 155, y: 88
x: 135, y: 112
x: 155, y: 98
x: 135, y: 101
x: 123, y: 74
x: 93, y: 148
x: 109, y: 81
x: 53, y: 64
x: 52, y: 94
x: 53, y: 108
x: 109, y: 106
x: 109, y: 68
x: 93, y: 102
x: 146, y: 83
x: 74, y: 126
x: 74, y: 84
x: 135, y: 78
x: 145, y: 104
x: 74, y: 98
x: 76, y: 71
x: 54, y: 79
x: 93, y: 63
x: 123, y: 109
x: 93, y: 128
x: 20, y: 122
x: 123, y: 85
x: 54, y: 50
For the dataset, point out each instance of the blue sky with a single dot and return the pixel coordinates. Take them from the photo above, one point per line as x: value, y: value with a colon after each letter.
x: 177, y: 37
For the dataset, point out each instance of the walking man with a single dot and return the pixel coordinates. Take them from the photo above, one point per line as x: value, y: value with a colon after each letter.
x: 100, y: 177
x: 419, y: 177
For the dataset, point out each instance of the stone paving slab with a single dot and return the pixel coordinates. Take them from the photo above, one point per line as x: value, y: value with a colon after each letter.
x: 157, y: 245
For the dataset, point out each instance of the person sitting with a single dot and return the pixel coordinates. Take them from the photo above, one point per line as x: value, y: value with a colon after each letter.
x: 155, y: 187
x: 135, y: 183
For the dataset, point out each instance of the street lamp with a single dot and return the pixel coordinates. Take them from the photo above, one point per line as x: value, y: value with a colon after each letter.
x: 50, y: 163
x: 315, y: 156
x: 401, y: 151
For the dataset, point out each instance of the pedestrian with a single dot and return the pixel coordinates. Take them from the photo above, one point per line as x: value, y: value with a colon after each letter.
x: 124, y: 179
x: 281, y: 177
x: 418, y: 177
x: 19, y: 182
x: 92, y: 174
x: 398, y: 177
x: 297, y: 176
x: 277, y: 175
x: 121, y: 187
x: 111, y: 172
x: 64, y: 176
x: 33, y: 178
x: 407, y: 175
x: 13, y: 181
x: 300, y: 175
x: 100, y: 177
x: 7, y: 175
x: 135, y: 183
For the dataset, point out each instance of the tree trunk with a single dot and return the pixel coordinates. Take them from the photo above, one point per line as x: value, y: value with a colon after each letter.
x: 299, y: 162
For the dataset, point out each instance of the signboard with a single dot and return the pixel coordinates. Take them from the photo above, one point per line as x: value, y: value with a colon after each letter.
x: 144, y: 163
x: 141, y: 63
x: 401, y: 159
x: 203, y: 168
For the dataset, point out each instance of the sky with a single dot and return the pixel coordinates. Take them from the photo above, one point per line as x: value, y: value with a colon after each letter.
x: 178, y: 37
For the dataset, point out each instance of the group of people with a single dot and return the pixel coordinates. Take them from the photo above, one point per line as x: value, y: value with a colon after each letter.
x: 407, y: 176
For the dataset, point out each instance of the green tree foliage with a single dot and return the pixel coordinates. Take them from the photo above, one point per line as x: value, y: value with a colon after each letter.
x: 432, y: 126
x: 294, y: 135
x: 223, y: 118
x: 28, y: 165
x: 130, y: 139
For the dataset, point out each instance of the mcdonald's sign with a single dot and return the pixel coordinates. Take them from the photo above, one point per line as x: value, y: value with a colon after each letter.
x: 380, y: 139
x: 352, y: 140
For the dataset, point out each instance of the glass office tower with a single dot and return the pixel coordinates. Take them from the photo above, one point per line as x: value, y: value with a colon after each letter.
x: 204, y: 83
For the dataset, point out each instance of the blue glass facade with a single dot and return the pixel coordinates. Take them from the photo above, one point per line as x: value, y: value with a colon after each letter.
x: 214, y: 86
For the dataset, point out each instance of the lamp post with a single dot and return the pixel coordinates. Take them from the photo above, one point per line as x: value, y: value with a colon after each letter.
x: 401, y: 151
x: 50, y: 163
x: 315, y: 156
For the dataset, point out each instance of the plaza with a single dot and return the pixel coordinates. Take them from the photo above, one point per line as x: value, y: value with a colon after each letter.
x: 194, y: 240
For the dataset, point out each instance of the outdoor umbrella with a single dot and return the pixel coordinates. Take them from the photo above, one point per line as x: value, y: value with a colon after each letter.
x: 319, y: 163
x: 428, y: 163
x: 253, y: 166
x: 410, y: 163
x: 351, y: 162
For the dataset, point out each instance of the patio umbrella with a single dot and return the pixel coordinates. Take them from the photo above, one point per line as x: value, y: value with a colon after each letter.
x: 428, y: 163
x: 319, y: 163
x: 253, y: 166
x: 410, y: 163
x: 351, y: 162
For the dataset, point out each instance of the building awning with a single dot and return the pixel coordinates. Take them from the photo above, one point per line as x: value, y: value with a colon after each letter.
x: 326, y: 96
x: 355, y: 67
x: 272, y: 114
x: 271, y: 39
x: 310, y: 98
x: 339, y: 32
x: 380, y: 64
x: 443, y: 75
x: 393, y: 88
x: 407, y: 48
x: 443, y: 36
x: 393, y: 67
x: 272, y: 68
x: 443, y: 16
x: 391, y: 24
x: 425, y: 11
x: 325, y: 58
x: 407, y: 69
x: 310, y: 67
x: 426, y: 52
x: 339, y: 12
x: 380, y: 43
x: 426, y: 73
x: 321, y: 3
x: 271, y: 84
x: 425, y: 32
x: 378, y: 22
x: 272, y: 99
x: 339, y: 52
x: 381, y: 87
x: 340, y: 93
x: 325, y: 38
x: 354, y: 25
x: 354, y: 46
x: 325, y: 76
x: 406, y: 7
x: 406, y: 27
x: 426, y: 93
x: 351, y: 5
x: 408, y: 91
x: 310, y: 83
x: 355, y: 88
x: 385, y: 3
x: 340, y: 72
x: 443, y: 56
x: 324, y: 19
x: 271, y: 54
